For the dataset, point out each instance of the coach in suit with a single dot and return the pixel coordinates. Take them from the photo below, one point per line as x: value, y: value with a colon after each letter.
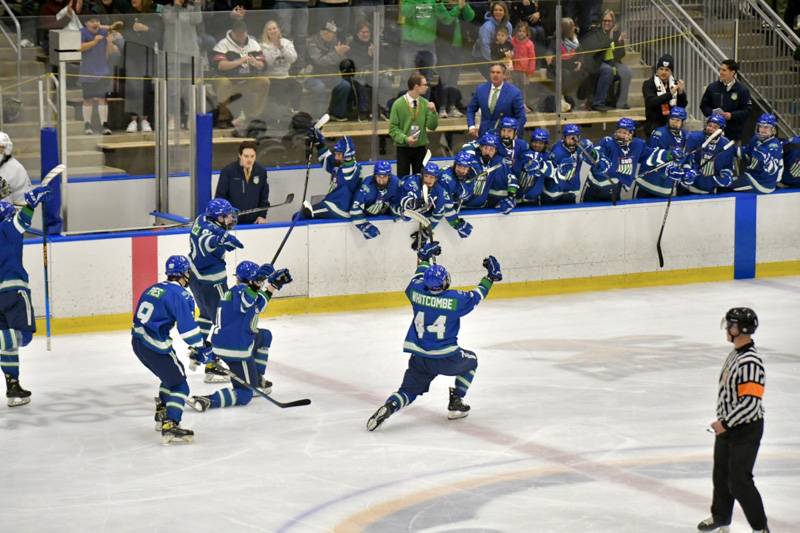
x: 496, y: 99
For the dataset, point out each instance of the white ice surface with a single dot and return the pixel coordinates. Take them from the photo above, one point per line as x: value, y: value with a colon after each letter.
x: 588, y: 414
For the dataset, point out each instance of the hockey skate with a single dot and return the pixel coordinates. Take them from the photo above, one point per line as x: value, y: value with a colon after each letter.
x: 200, y: 404
x: 15, y: 394
x: 172, y: 432
x: 215, y: 375
x: 161, y: 413
x: 378, y: 417
x: 456, y: 408
x: 710, y: 524
x: 264, y: 385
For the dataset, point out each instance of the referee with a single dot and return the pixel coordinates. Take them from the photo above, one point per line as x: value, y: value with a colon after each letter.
x: 738, y: 427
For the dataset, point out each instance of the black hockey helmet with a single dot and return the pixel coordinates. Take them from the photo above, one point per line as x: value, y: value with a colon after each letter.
x: 744, y: 318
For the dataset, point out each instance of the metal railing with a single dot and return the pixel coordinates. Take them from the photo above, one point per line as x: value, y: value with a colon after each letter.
x: 15, y: 45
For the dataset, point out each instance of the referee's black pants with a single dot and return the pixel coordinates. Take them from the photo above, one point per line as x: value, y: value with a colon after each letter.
x: 409, y: 160
x: 735, y: 454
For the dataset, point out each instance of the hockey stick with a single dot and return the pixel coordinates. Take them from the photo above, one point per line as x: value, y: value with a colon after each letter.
x: 478, y: 179
x: 53, y: 174
x: 256, y: 390
x: 422, y: 226
x: 708, y: 141
x: 615, y: 192
x: 672, y: 193
x: 289, y: 199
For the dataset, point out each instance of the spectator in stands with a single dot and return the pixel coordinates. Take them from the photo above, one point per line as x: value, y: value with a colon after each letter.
x: 361, y: 53
x: 419, y: 29
x: 607, y: 64
x: 97, y: 48
x: 14, y: 179
x: 293, y: 20
x: 108, y: 10
x: 244, y: 184
x: 729, y: 98
x: 181, y: 21
x: 503, y: 49
x: 585, y: 13
x: 496, y: 17
x: 524, y: 61
x: 142, y: 30
x: 452, y: 38
x: 337, y: 11
x: 239, y: 58
x: 68, y: 15
x: 661, y: 93
x: 345, y: 103
x: 325, y: 53
x: 572, y: 71
x: 496, y: 99
x: 280, y: 55
x: 410, y: 119
x: 532, y: 13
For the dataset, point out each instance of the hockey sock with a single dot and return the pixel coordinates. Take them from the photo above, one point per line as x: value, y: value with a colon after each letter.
x: 223, y: 398
x: 401, y: 399
x: 163, y: 393
x: 9, y: 352
x: 102, y: 110
x: 261, y: 350
x: 87, y: 112
x: 463, y: 382
x: 175, y: 400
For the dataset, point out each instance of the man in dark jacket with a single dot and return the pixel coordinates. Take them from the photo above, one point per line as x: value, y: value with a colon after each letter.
x: 244, y: 184
x: 729, y: 98
x: 661, y: 93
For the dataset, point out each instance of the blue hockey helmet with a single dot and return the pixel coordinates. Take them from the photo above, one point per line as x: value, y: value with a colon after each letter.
x: 541, y: 135
x: 345, y: 146
x: 465, y: 158
x: 766, y: 120
x: 432, y: 169
x: 509, y: 122
x: 490, y: 139
x: 436, y: 278
x: 719, y: 120
x: 383, y: 167
x: 626, y: 124
x: 265, y: 271
x: 676, y: 112
x: 571, y: 129
x: 6, y: 210
x: 177, y: 265
x: 220, y: 207
x: 246, y: 271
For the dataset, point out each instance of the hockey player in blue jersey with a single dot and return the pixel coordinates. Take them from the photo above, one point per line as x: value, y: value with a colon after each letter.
x: 657, y: 184
x: 160, y: 308
x: 762, y: 158
x: 428, y: 197
x: 379, y: 194
x: 531, y: 176
x: 561, y: 173
x: 620, y: 159
x: 432, y: 338
x: 345, y: 175
x: 464, y: 167
x: 791, y: 163
x: 209, y: 239
x: 515, y: 148
x: 17, y: 324
x: 712, y: 166
x: 494, y: 184
x: 236, y: 339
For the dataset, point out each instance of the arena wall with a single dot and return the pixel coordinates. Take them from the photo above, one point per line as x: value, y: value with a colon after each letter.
x: 94, y: 281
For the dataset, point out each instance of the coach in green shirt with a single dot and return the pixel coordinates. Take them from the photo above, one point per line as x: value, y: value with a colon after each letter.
x: 409, y: 121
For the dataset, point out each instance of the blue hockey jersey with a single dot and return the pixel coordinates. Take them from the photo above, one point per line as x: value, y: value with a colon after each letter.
x: 657, y: 182
x: 345, y: 181
x: 369, y: 200
x: 206, y: 254
x: 438, y: 206
x: 562, y: 173
x: 708, y: 172
x: 514, y: 157
x: 487, y: 189
x: 791, y: 162
x: 625, y: 162
x: 533, y: 168
x: 13, y: 275
x: 236, y: 326
x: 437, y: 316
x: 763, y: 163
x: 160, y: 307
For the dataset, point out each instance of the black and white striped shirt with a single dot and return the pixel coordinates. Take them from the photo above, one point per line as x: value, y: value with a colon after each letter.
x: 741, y: 387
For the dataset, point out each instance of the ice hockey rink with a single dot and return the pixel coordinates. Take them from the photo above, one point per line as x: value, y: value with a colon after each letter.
x: 589, y: 414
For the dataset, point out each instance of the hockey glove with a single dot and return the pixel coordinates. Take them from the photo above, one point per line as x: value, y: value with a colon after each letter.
x: 725, y: 178
x: 566, y: 168
x: 492, y: 267
x: 35, y: 196
x: 200, y: 356
x: 589, y: 154
x: 368, y: 230
x: 315, y: 137
x: 506, y: 205
x: 428, y: 250
x: 463, y: 228
x: 279, y: 278
x: 5, y: 189
x: 230, y: 242
x: 264, y: 272
x: 534, y: 164
x: 602, y: 166
x: 676, y: 173
x: 676, y: 154
x: 690, y: 177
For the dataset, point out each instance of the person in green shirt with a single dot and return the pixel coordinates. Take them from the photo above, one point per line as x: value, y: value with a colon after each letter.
x: 419, y: 29
x: 452, y: 49
x: 410, y: 119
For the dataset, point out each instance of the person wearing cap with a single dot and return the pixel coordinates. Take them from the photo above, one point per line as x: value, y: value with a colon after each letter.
x: 661, y: 93
x: 729, y: 98
x: 738, y: 426
x: 410, y: 119
x: 238, y: 58
x: 325, y: 53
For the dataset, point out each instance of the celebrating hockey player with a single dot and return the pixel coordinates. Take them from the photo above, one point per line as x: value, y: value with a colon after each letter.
x: 432, y: 338
x: 160, y: 308
x: 515, y: 148
x: 657, y: 184
x: 535, y: 165
x: 464, y: 168
x: 345, y: 175
x: 712, y: 166
x: 210, y: 238
x: 428, y: 197
x: 17, y: 324
x: 762, y: 158
x: 379, y: 194
x: 14, y: 179
x: 237, y: 339
x: 494, y: 185
x: 562, y: 173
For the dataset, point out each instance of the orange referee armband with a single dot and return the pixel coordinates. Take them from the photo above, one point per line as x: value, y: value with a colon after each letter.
x: 750, y: 389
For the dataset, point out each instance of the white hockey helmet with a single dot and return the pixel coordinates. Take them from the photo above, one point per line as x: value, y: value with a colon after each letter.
x: 5, y: 143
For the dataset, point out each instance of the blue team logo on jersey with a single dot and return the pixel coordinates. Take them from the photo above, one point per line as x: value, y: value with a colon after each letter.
x: 155, y: 292
x: 625, y: 166
x: 795, y: 169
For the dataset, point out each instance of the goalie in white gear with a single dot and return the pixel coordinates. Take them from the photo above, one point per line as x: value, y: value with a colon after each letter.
x: 14, y: 179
